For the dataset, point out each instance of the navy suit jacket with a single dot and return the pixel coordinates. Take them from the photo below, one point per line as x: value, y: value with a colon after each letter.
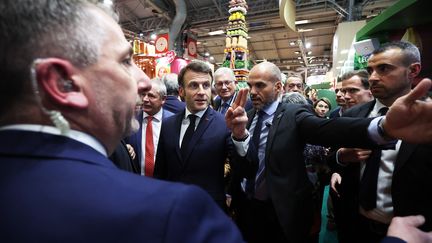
x: 411, y: 180
x: 289, y: 188
x: 173, y: 104
x: 136, y: 139
x: 55, y: 189
x: 204, y: 162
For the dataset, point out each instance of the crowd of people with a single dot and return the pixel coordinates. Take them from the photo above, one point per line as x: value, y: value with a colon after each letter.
x: 92, y: 150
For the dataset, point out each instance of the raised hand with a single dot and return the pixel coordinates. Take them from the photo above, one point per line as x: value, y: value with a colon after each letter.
x: 236, y: 117
x: 409, y: 118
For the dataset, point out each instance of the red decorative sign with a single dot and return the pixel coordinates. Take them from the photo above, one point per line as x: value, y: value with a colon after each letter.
x: 161, y: 43
x: 191, y: 45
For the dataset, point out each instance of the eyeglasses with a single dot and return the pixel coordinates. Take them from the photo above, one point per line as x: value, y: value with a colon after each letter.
x: 222, y: 83
x: 292, y: 85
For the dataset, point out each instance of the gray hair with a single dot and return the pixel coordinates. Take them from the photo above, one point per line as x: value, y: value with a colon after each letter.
x: 40, y: 29
x: 171, y: 83
x: 294, y: 98
x: 159, y: 87
x: 225, y: 70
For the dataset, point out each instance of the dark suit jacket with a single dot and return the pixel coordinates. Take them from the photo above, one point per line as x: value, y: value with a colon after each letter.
x: 136, y: 139
x: 411, y: 182
x: 174, y: 105
x: 218, y: 101
x: 121, y: 158
x: 204, y: 163
x: 289, y: 188
x: 335, y: 113
x: 55, y: 189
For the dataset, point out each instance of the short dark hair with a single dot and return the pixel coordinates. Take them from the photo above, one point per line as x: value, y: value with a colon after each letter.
x: 362, y: 74
x: 410, y: 51
x: 195, y: 66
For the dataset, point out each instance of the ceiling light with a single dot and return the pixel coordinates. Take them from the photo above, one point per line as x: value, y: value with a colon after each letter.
x: 206, y: 54
x: 292, y: 43
x: 297, y: 52
x: 305, y: 21
x: 308, y: 45
x: 153, y: 36
x: 309, y: 52
x: 299, y: 58
x: 217, y: 32
x: 304, y: 30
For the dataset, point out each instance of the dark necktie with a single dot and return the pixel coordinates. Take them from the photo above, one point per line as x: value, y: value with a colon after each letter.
x: 224, y: 108
x: 254, y: 148
x: 188, y: 135
x: 369, y: 180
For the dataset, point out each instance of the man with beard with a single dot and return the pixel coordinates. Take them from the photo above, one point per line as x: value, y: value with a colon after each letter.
x: 272, y: 192
x: 378, y: 185
x: 68, y: 93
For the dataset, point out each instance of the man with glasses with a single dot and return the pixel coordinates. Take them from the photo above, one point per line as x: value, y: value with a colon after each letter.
x: 225, y: 84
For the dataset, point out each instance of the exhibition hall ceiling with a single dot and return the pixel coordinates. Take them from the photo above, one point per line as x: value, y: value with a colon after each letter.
x: 269, y: 39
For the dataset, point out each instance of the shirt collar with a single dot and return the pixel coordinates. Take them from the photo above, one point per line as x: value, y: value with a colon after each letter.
x: 271, y: 108
x: 199, y: 113
x: 378, y: 105
x: 157, y: 116
x: 73, y: 134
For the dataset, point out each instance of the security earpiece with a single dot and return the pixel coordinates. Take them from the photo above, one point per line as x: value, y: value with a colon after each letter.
x: 66, y: 85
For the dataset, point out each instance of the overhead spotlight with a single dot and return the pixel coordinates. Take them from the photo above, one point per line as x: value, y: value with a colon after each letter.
x: 308, y: 45
x: 297, y: 52
x: 206, y: 54
x: 292, y: 43
x: 309, y: 52
x: 153, y: 36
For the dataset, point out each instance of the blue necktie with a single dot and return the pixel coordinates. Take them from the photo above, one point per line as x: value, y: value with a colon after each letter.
x: 369, y: 180
x: 224, y: 108
x: 254, y: 148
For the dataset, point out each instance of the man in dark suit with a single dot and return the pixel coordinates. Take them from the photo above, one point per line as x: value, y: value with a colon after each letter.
x: 152, y: 108
x: 172, y: 102
x: 199, y: 161
x: 225, y: 85
x: 340, y: 100
x: 273, y: 193
x: 71, y: 93
x: 403, y: 173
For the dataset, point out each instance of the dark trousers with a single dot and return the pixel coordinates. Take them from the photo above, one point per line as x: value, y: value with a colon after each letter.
x: 258, y: 222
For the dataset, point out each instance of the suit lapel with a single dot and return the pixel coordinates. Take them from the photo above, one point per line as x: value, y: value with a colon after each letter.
x: 203, y: 124
x: 177, y: 129
x: 405, y: 151
x: 275, y: 123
